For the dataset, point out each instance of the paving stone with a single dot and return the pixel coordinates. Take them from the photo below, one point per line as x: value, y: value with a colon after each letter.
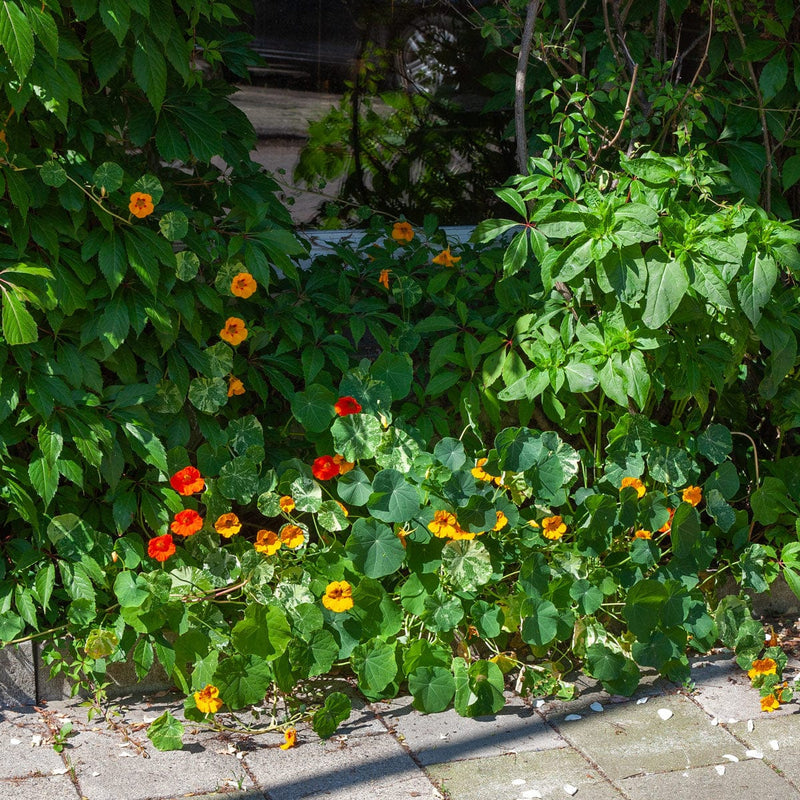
x: 784, y: 731
x: 360, y: 768
x: 17, y: 675
x: 54, y: 787
x: 546, y: 771
x: 107, y: 769
x: 437, y: 738
x: 22, y: 759
x: 630, y: 739
x: 753, y: 779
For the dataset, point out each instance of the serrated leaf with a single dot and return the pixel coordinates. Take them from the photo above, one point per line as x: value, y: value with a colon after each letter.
x: 16, y: 37
x: 19, y: 327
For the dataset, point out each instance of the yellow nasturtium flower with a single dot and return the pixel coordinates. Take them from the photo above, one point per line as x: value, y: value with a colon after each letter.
x: 338, y: 596
x: 207, y: 700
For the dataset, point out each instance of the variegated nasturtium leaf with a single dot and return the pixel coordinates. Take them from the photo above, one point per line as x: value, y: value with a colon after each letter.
x: 208, y: 394
x: 331, y: 516
x: 188, y: 265
x: 238, y: 479
x: 108, y: 177
x: 467, y: 563
x: 356, y: 436
x: 174, y: 225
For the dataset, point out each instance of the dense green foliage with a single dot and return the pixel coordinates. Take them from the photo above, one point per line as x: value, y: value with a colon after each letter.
x: 442, y: 468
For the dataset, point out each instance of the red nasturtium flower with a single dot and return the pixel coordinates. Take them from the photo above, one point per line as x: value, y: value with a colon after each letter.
x: 227, y: 525
x: 207, y: 700
x: 324, y: 468
x: 243, y: 285
x: 234, y: 331
x: 186, y: 522
x: 161, y: 547
x: 187, y: 481
x: 402, y: 232
x: 141, y: 205
x: 338, y: 596
x: 446, y: 259
x: 235, y: 386
x: 290, y: 736
x: 347, y: 405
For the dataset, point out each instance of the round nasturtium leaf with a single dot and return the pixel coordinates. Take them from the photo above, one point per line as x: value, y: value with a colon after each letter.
x: 432, y: 688
x: 374, y: 548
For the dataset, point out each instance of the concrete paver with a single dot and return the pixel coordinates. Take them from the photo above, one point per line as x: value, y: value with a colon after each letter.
x: 363, y: 768
x: 770, y: 732
x: 517, y: 775
x: 22, y: 755
x: 629, y: 739
x: 438, y: 738
x: 751, y: 779
x: 54, y: 787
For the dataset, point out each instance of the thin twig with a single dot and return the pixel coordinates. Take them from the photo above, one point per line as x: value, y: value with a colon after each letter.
x: 519, y: 86
x: 625, y: 114
x: 758, y: 479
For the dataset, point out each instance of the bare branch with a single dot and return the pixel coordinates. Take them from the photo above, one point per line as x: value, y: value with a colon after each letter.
x: 519, y: 85
x: 625, y: 113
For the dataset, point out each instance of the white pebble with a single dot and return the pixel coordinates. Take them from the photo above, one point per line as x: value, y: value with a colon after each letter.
x: 596, y: 707
x: 572, y: 717
x: 715, y: 721
x: 734, y: 759
x: 720, y: 769
x: 518, y: 782
x: 36, y: 741
x: 60, y: 771
x: 530, y: 794
x: 15, y: 741
x: 664, y: 713
x: 95, y: 774
x: 773, y: 743
x: 750, y: 726
x: 754, y: 754
x: 538, y: 704
x: 732, y: 721
x: 641, y: 701
x: 570, y: 789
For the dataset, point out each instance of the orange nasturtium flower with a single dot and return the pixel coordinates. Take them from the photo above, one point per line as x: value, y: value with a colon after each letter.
x: 227, y: 525
x: 383, y: 278
x: 502, y: 521
x: 243, y: 285
x: 482, y: 475
x: 344, y: 466
x: 643, y: 533
x: 692, y: 495
x: 290, y: 736
x: 287, y: 504
x: 161, y: 547
x: 292, y: 536
x: 402, y: 232
x: 186, y: 522
x: 344, y: 509
x: 235, y: 386
x: 445, y: 259
x: 667, y: 526
x: 207, y: 700
x: 267, y: 542
x: 141, y: 205
x: 187, y: 481
x: 347, y: 405
x: 553, y: 527
x: 770, y: 703
x: 234, y: 331
x: 636, y: 483
x: 338, y: 596
x: 324, y: 468
x: 762, y: 666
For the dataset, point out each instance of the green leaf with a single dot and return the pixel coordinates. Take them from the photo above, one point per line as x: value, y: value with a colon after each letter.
x: 52, y: 173
x: 516, y: 255
x: 442, y: 613
x: 467, y: 563
x: 108, y: 177
x: 356, y: 436
x: 336, y: 709
x: 188, y: 265
x: 432, y: 688
x: 540, y: 621
x: 754, y: 289
x: 150, y: 70
x: 44, y: 479
x: 518, y: 449
x: 208, y: 394
x: 354, y: 487
x: 715, y: 443
x: 393, y: 499
x: 19, y: 327
x: 238, y: 479
x: 643, y: 606
x: 174, y: 225
x: 479, y: 688
x: 264, y: 632
x: 130, y: 589
x: 667, y: 283
x: 43, y: 585
x: 166, y: 732
x: 148, y: 184
x: 396, y: 371
x: 374, y: 548
x: 490, y: 229
x: 770, y: 500
x: 331, y: 517
x: 618, y: 674
x: 451, y: 453
x: 101, y: 643
x: 16, y: 37
x: 313, y: 408
x: 375, y: 664
x: 242, y: 680
x: 588, y: 596
x: 773, y: 76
